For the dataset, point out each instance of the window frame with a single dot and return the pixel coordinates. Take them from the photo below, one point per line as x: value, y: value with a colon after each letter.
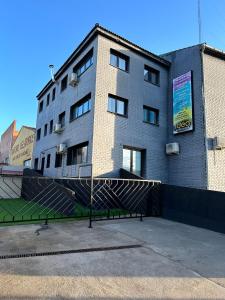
x: 64, y: 83
x: 53, y: 94
x: 46, y: 129
x: 38, y: 136
x: 117, y: 98
x: 41, y: 106
x: 88, y: 56
x: 58, y: 160
x: 72, y: 154
x: 48, y: 161
x: 62, y: 113
x: 154, y: 110
x: 120, y: 55
x: 51, y: 127
x: 143, y: 154
x: 48, y: 100
x: 78, y: 104
x: 153, y: 70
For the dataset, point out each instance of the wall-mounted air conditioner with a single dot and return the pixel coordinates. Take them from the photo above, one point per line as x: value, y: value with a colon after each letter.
x: 61, y: 148
x: 218, y: 143
x: 58, y: 128
x: 172, y: 149
x: 73, y: 80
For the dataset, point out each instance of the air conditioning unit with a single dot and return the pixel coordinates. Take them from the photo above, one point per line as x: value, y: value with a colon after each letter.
x: 61, y: 148
x: 58, y: 128
x: 73, y: 79
x: 218, y: 143
x: 172, y: 149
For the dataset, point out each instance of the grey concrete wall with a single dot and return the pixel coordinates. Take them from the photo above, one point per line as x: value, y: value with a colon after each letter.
x: 111, y: 132
x: 214, y: 79
x: 189, y: 168
x: 75, y: 132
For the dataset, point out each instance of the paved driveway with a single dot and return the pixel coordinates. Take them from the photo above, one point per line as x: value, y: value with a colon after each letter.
x: 159, y: 259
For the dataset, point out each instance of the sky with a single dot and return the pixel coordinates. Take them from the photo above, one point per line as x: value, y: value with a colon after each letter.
x: 36, y: 33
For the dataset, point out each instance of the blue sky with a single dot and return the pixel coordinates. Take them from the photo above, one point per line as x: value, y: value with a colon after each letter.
x: 34, y: 34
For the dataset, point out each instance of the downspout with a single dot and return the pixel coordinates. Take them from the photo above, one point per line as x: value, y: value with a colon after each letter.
x: 202, y: 49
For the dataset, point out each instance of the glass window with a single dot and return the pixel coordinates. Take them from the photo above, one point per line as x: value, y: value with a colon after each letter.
x: 119, y: 60
x: 51, y: 127
x: 58, y: 160
x: 62, y: 119
x: 151, y: 75
x: 77, y: 154
x: 132, y: 161
x: 113, y: 60
x: 38, y: 134
x: 53, y: 94
x: 48, y: 161
x: 84, y: 64
x: 45, y: 129
x: 112, y: 105
x: 151, y: 115
x: 41, y: 104
x: 48, y: 98
x: 117, y: 105
x: 64, y: 83
x: 81, y: 107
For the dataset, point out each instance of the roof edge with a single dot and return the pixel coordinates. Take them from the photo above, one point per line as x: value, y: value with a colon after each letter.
x: 97, y: 29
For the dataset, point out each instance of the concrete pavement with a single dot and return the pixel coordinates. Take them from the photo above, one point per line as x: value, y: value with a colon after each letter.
x: 176, y: 261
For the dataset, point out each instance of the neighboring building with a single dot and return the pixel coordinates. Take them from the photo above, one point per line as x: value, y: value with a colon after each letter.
x: 120, y: 113
x: 7, y: 140
x: 22, y: 149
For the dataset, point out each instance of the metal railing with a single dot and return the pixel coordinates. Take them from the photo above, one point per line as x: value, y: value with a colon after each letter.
x: 95, y: 199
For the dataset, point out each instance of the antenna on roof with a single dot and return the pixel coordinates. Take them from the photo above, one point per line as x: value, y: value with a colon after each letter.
x: 199, y: 23
x: 51, y: 67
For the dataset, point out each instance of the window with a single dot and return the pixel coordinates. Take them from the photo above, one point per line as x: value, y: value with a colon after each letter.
x: 41, y: 106
x: 64, y: 83
x: 45, y: 129
x: 53, y: 94
x: 151, y: 75
x: 48, y: 99
x: 27, y: 163
x: 119, y: 60
x: 117, y: 105
x: 84, y: 64
x: 77, y: 154
x: 38, y: 134
x: 62, y: 118
x: 51, y: 127
x: 80, y: 108
x: 58, y: 160
x: 151, y: 115
x: 132, y: 161
x: 48, y: 161
x: 36, y: 164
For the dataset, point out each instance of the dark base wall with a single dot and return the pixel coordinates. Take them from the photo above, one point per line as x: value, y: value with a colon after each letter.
x: 202, y: 208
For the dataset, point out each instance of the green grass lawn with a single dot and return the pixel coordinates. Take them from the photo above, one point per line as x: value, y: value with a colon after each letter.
x: 22, y: 211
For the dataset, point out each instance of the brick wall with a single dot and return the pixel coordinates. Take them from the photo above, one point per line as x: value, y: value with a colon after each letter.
x: 214, y: 78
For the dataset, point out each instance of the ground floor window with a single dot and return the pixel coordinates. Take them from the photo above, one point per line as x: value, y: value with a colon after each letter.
x: 58, y: 160
x: 27, y: 163
x: 77, y: 154
x: 36, y: 164
x: 133, y: 160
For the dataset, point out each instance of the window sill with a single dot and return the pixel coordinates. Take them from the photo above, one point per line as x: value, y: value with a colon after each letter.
x: 116, y: 114
x: 157, y: 125
x: 156, y: 84
x: 119, y: 68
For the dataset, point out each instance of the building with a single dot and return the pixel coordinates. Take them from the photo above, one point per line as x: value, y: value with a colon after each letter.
x: 22, y: 149
x: 115, y: 105
x: 7, y: 140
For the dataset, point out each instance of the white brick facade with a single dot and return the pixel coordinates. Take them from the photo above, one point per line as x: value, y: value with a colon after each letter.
x: 196, y: 166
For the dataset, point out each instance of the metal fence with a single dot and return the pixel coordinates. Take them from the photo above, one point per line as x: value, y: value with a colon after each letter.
x: 42, y: 198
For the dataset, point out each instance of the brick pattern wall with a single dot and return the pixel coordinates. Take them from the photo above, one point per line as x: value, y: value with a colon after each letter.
x: 111, y: 132
x: 189, y: 167
x: 214, y: 79
x: 77, y: 131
